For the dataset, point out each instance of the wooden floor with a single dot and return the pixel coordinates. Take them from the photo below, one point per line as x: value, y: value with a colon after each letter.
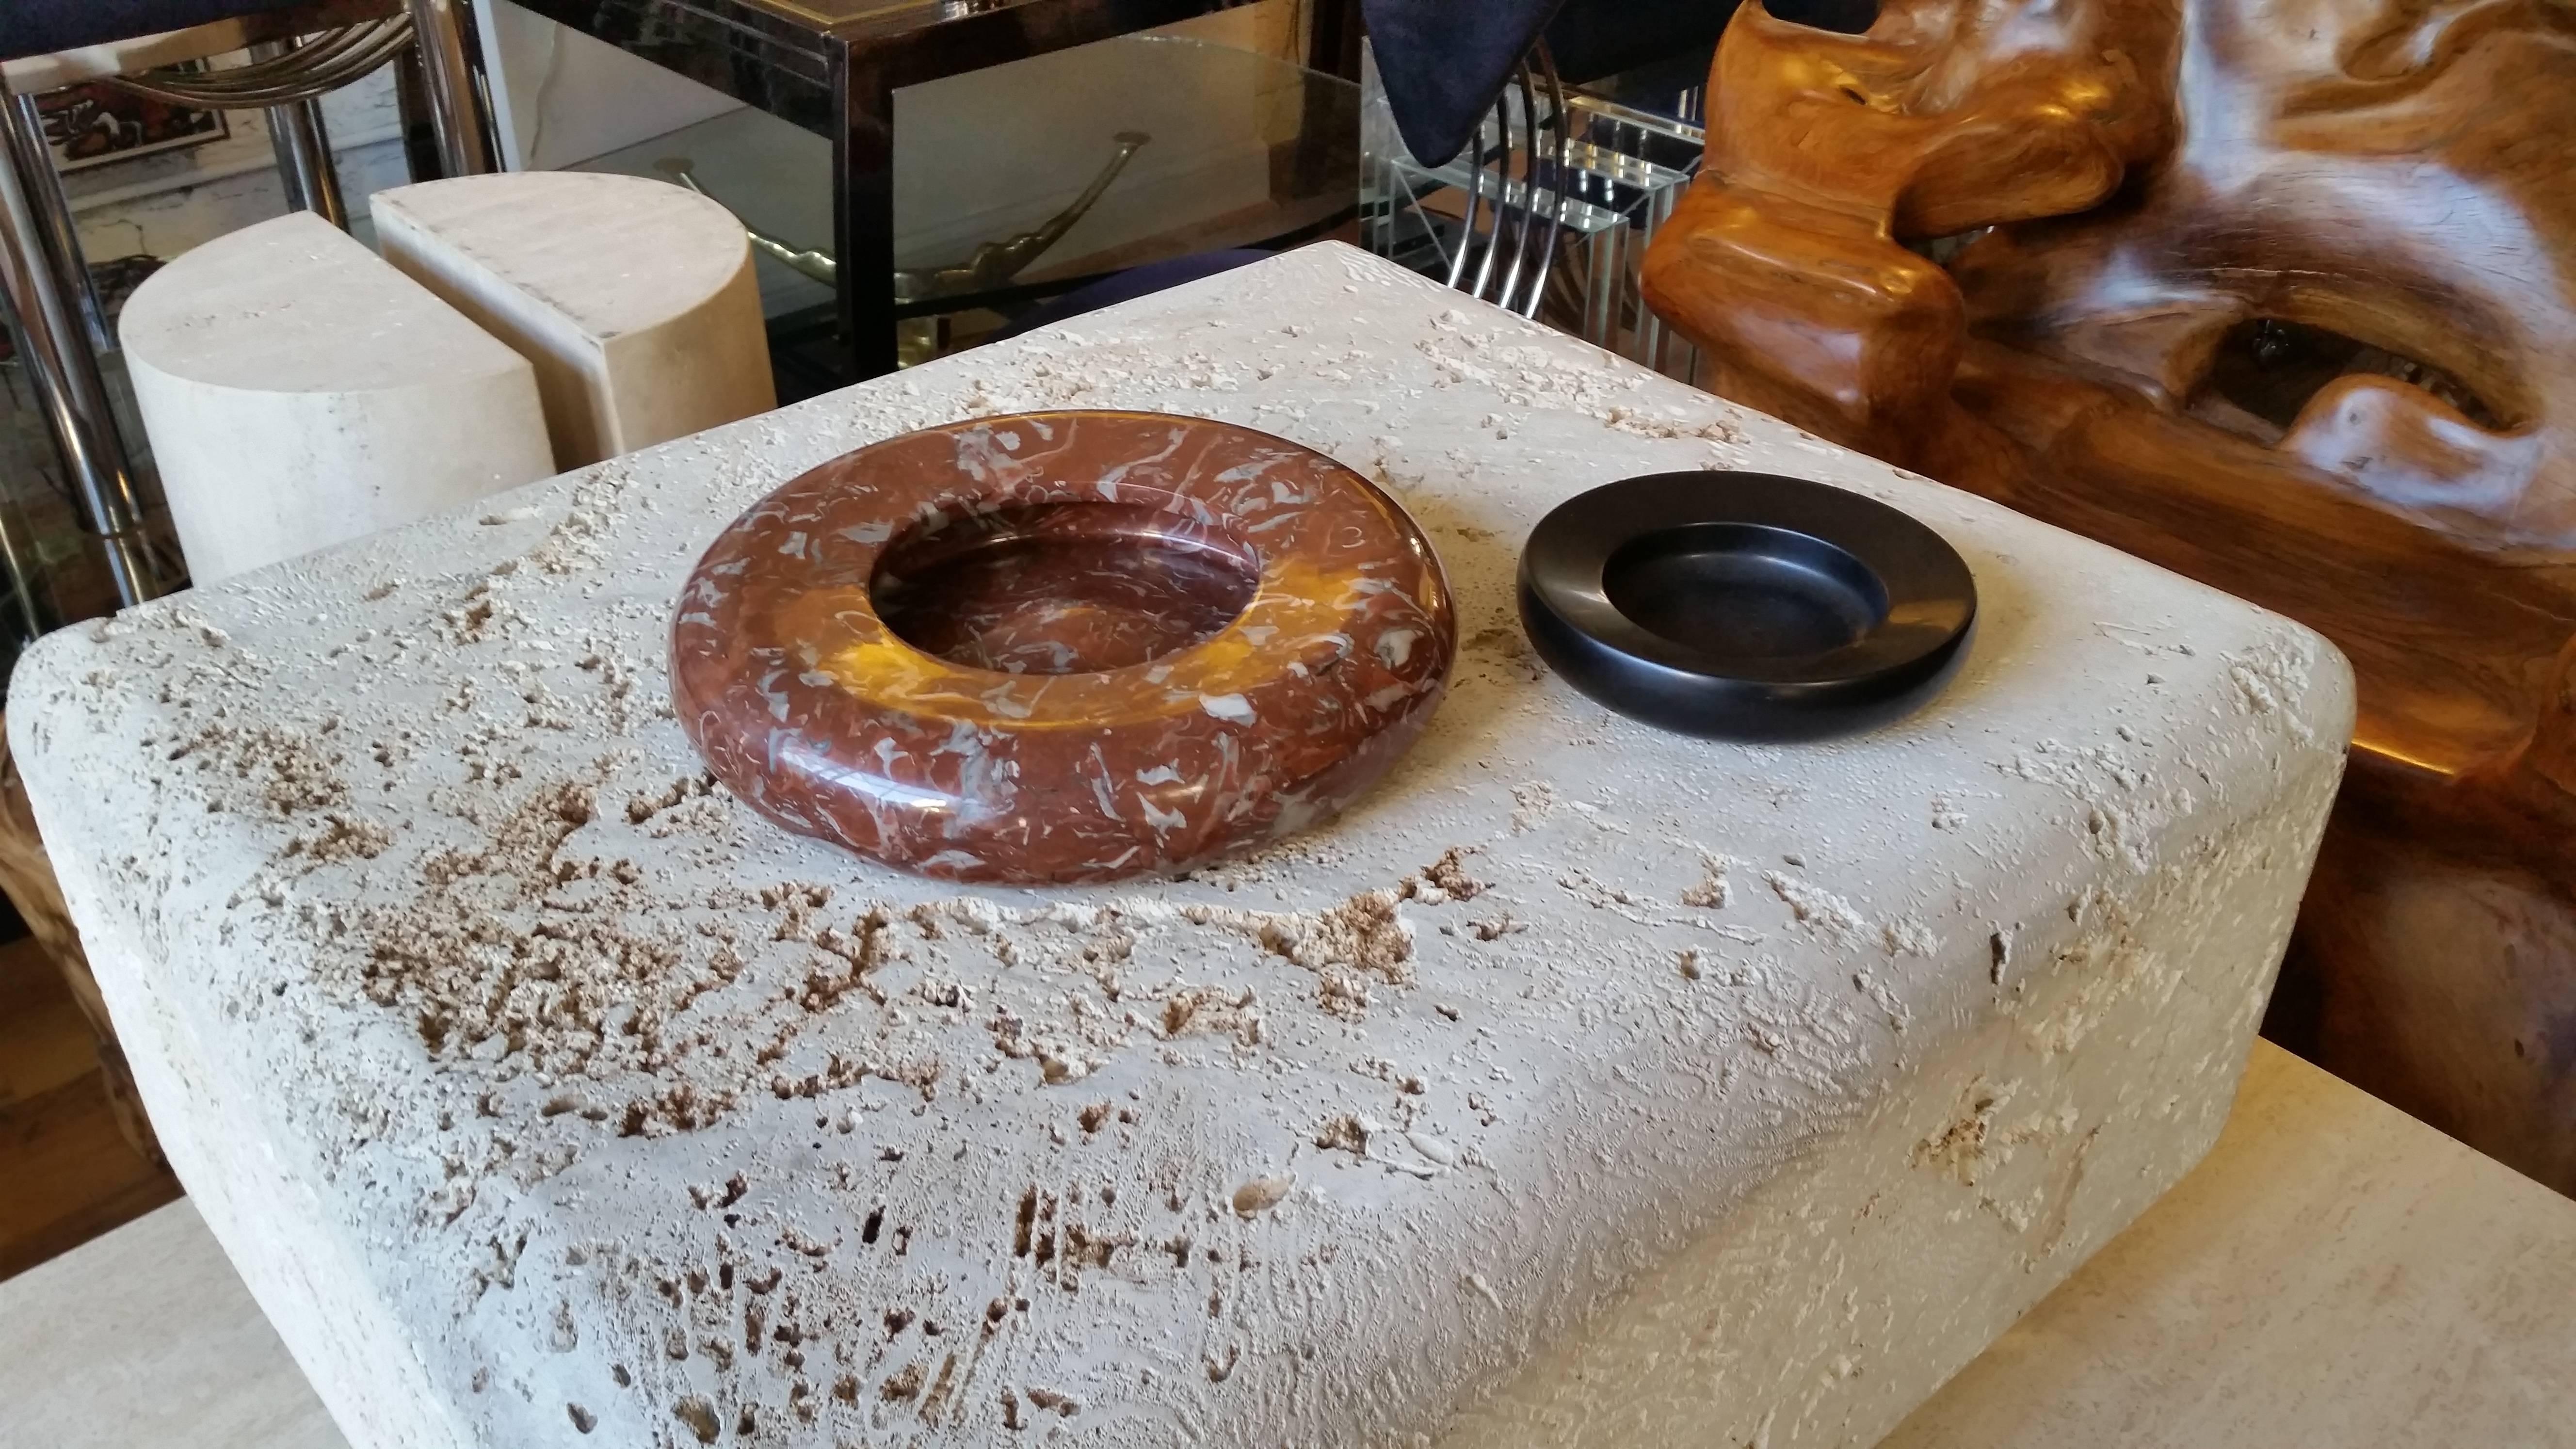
x: 66, y: 1174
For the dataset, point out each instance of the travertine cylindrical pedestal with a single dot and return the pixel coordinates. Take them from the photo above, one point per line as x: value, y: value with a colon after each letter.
x: 300, y: 393
x: 634, y: 299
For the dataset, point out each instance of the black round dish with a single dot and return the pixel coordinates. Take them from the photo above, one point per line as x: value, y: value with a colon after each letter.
x: 1745, y: 606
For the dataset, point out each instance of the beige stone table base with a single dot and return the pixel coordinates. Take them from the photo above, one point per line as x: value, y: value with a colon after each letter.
x: 634, y: 299
x: 300, y: 393
x: 2334, y: 1273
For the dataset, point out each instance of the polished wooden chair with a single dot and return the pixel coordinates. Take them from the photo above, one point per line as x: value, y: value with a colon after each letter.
x: 2281, y: 294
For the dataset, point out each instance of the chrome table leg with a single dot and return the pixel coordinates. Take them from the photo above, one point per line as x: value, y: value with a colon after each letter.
x: 451, y: 59
x: 60, y: 362
x: 304, y: 161
x: 303, y: 145
x: 26, y: 127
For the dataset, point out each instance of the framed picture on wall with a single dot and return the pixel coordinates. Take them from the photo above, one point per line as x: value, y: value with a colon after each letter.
x: 96, y: 123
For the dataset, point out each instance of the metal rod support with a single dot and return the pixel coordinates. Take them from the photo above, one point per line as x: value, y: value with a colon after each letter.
x: 1559, y: 189
x: 411, y: 107
x: 319, y: 69
x: 304, y: 161
x: 63, y: 369
x: 1502, y: 196
x: 1529, y: 190
x: 443, y: 33
x: 54, y: 209
x: 303, y: 144
x: 1475, y: 196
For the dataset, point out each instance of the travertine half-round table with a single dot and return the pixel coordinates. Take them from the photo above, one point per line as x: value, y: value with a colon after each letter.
x: 300, y: 393
x: 634, y: 299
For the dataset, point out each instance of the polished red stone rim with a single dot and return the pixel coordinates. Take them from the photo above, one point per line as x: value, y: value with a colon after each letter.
x: 1062, y: 647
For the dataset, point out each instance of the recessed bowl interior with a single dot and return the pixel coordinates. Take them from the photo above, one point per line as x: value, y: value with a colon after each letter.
x: 1061, y: 588
x: 1745, y: 590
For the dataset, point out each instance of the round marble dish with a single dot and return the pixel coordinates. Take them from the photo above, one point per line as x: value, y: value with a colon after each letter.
x: 1062, y: 647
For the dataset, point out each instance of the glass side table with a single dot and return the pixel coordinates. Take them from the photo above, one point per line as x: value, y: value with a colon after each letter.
x: 1076, y: 164
x: 835, y: 69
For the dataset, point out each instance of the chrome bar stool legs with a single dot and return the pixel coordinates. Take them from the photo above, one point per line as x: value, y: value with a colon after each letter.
x: 303, y: 144
x: 451, y: 62
x: 26, y: 138
x: 57, y: 322
x: 304, y: 161
x: 59, y: 325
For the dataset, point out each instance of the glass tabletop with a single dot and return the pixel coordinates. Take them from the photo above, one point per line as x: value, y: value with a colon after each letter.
x: 1057, y: 169
x: 871, y: 16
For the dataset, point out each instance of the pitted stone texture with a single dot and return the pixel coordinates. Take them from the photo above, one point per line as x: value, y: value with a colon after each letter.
x: 523, y: 1074
x: 1062, y: 647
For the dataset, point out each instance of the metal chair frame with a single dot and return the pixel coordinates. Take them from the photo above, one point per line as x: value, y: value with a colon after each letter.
x: 53, y: 310
x: 1542, y: 150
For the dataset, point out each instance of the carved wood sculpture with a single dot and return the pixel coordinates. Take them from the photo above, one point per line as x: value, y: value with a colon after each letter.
x: 2281, y: 294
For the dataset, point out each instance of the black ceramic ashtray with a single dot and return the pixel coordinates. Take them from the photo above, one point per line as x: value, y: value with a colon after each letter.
x: 1745, y: 606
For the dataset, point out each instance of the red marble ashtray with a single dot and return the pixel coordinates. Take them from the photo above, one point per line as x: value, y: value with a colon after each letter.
x: 1062, y: 647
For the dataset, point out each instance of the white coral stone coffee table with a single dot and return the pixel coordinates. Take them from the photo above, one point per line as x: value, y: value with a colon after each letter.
x: 1672, y: 1092
x: 2334, y: 1272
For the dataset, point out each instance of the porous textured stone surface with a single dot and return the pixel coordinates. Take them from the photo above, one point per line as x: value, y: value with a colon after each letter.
x: 1580, y: 1085
x: 2334, y: 1271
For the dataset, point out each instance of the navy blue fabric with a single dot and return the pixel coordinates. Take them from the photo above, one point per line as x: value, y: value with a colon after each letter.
x: 1444, y: 61
x: 41, y: 27
x: 1128, y: 285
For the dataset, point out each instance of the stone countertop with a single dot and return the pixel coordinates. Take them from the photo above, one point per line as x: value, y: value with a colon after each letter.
x: 541, y: 1091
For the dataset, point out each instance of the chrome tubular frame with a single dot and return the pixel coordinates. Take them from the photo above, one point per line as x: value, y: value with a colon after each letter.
x: 1535, y: 137
x: 57, y: 322
x: 61, y: 365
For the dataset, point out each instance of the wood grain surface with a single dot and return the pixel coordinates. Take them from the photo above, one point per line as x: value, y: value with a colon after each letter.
x: 2277, y: 293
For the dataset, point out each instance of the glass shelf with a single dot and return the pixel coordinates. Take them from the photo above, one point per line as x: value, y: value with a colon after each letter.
x: 1241, y: 150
